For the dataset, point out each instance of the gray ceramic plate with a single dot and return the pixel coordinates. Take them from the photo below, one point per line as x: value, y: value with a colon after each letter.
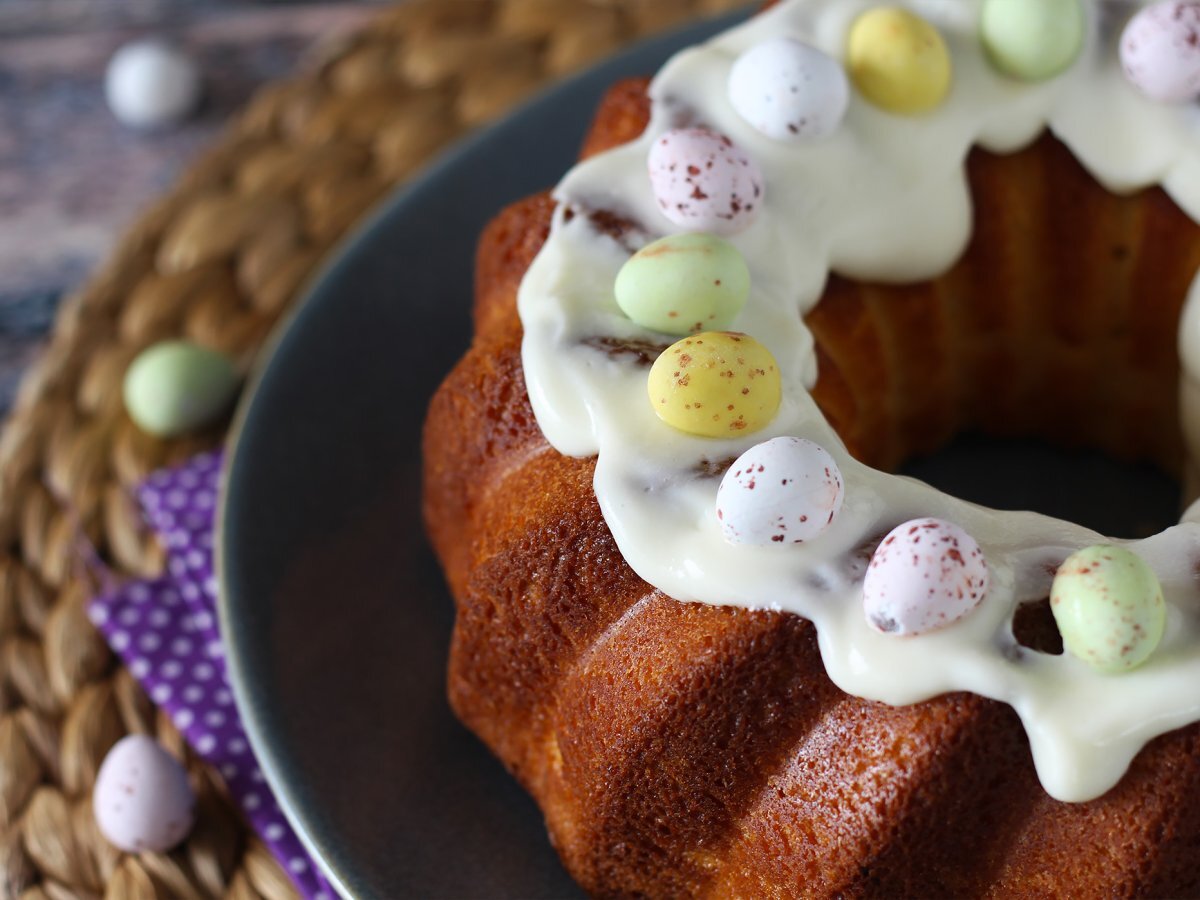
x: 335, y: 611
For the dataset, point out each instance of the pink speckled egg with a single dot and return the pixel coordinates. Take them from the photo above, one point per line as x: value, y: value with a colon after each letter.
x: 142, y: 799
x: 702, y: 181
x: 1160, y: 51
x: 925, y: 574
x: 784, y: 491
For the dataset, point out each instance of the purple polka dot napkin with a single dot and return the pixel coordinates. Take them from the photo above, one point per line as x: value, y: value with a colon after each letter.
x: 166, y: 632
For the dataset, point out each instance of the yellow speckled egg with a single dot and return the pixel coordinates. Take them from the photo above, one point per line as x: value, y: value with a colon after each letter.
x: 716, y: 384
x: 899, y: 61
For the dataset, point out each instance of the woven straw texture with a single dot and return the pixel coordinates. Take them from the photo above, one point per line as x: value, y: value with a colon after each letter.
x: 218, y: 260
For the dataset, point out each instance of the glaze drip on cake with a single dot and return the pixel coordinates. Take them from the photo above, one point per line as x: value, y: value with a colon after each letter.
x: 884, y: 198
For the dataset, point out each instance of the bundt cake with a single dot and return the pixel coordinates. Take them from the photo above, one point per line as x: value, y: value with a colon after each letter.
x: 727, y: 653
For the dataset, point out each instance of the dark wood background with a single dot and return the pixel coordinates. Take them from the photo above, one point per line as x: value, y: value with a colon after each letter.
x: 71, y: 177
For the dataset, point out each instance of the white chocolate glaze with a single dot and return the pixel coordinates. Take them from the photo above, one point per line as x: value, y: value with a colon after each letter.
x: 884, y: 198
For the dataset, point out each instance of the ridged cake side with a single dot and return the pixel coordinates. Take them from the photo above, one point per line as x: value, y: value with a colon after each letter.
x: 681, y: 749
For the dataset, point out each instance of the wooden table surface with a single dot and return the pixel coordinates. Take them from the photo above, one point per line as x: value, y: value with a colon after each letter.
x: 71, y: 177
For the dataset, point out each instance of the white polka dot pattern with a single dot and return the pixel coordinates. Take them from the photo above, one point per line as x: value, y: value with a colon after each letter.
x: 166, y: 632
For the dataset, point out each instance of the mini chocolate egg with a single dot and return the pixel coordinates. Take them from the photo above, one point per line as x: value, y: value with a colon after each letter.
x: 142, y: 799
x: 702, y: 181
x: 1109, y: 607
x: 1160, y: 51
x: 175, y: 386
x: 788, y: 90
x: 899, y: 61
x: 716, y: 384
x: 684, y: 283
x: 925, y: 575
x: 784, y: 491
x: 1033, y: 40
x: 151, y: 84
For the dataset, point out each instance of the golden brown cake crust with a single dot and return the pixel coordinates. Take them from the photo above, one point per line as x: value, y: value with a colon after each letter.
x: 680, y: 749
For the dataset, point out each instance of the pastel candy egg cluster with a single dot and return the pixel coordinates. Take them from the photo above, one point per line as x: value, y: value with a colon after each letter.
x: 702, y: 181
x: 784, y: 491
x: 899, y: 61
x: 1109, y: 607
x: 925, y: 575
x: 683, y: 284
x: 1160, y: 51
x: 789, y: 91
x: 716, y: 384
x: 142, y: 800
x: 1033, y: 40
x: 174, y: 387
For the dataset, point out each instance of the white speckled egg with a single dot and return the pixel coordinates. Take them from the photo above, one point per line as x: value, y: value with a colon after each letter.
x: 1160, y: 51
x: 784, y: 491
x: 142, y: 799
x: 789, y: 91
x: 925, y: 575
x: 702, y: 181
x: 151, y: 84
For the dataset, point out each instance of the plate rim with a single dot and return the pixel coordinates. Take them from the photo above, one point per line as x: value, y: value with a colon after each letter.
x: 656, y: 47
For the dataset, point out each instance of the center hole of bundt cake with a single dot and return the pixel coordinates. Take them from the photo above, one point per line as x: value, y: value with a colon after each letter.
x: 1117, y: 499
x: 1042, y: 371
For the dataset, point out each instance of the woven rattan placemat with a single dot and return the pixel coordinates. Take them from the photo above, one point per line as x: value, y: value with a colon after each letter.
x: 218, y: 259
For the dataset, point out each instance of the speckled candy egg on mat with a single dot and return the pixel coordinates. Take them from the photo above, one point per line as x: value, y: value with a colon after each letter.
x: 1109, y: 607
x: 684, y: 283
x: 142, y: 799
x: 1160, y: 51
x: 926, y: 574
x: 152, y: 84
x: 716, y: 384
x: 703, y: 181
x: 174, y: 387
x: 784, y: 491
x: 789, y: 91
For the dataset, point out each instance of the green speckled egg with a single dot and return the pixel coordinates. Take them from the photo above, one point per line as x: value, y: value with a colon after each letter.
x: 716, y: 384
x: 174, y: 387
x: 1109, y: 607
x: 1033, y: 40
x: 683, y: 284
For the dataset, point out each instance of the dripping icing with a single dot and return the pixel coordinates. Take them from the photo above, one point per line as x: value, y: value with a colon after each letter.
x: 884, y: 198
